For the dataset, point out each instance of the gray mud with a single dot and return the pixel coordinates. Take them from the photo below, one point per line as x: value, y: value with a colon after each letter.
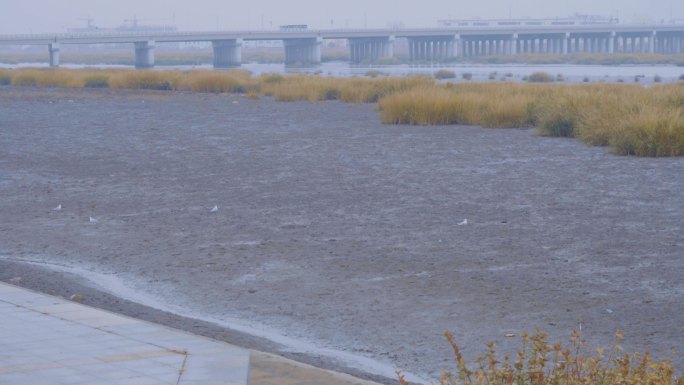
x: 337, y: 230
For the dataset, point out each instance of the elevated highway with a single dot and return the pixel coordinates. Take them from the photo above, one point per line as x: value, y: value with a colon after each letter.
x: 368, y: 45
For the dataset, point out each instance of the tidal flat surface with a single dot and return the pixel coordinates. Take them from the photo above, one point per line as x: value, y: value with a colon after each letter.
x: 339, y: 231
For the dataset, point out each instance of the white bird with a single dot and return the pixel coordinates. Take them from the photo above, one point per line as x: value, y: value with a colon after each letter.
x: 59, y: 207
x: 464, y: 222
x: 215, y: 209
x: 93, y: 220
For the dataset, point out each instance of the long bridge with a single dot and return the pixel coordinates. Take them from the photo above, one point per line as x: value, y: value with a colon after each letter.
x: 303, y: 47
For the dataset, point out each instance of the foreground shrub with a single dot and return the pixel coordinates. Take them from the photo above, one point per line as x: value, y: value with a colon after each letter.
x: 540, y: 363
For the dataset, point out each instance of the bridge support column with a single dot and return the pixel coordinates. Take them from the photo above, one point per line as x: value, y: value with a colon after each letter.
x: 456, y: 47
x: 54, y: 54
x: 513, y: 45
x: 372, y: 49
x: 611, y: 43
x: 227, y: 53
x: 144, y: 54
x: 305, y: 52
x: 566, y: 43
x: 438, y: 48
x: 651, y: 42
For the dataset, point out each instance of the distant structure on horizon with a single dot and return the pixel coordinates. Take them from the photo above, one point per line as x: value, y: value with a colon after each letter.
x: 576, y: 19
x: 129, y: 25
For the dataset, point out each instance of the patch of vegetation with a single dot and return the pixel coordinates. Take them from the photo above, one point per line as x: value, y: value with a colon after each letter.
x: 96, y: 81
x: 373, y: 73
x: 540, y: 77
x: 234, y: 81
x: 538, y: 362
x: 444, y: 74
x: 467, y: 76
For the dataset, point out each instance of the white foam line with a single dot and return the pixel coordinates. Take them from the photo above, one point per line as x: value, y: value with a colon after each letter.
x: 116, y: 286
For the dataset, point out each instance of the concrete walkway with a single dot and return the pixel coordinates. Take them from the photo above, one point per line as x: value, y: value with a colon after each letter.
x: 49, y: 340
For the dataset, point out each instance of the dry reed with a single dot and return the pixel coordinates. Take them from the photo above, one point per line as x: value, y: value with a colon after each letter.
x: 540, y: 363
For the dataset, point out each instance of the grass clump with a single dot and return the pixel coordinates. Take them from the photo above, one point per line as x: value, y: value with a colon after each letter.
x: 235, y: 81
x: 632, y: 120
x: 651, y: 132
x: 539, y: 362
x: 96, y: 81
x: 50, y: 77
x: 146, y: 80
x: 489, y: 105
x: 444, y: 74
x: 540, y: 77
x: 352, y: 90
x: 5, y: 78
x: 373, y: 73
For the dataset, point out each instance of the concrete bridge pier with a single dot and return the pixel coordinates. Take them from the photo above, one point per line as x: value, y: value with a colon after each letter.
x: 370, y: 49
x: 611, y: 43
x: 144, y: 54
x: 512, y: 47
x: 433, y: 48
x: 227, y: 53
x: 565, y: 49
x: 54, y: 54
x: 306, y: 52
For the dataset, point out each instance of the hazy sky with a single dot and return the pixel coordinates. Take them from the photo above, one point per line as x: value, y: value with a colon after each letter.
x: 26, y: 16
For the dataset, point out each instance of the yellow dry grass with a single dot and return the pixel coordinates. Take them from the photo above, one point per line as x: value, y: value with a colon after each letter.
x: 631, y: 119
x: 538, y: 362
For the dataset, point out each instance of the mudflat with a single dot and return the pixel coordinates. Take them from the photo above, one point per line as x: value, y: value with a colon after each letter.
x: 337, y: 231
